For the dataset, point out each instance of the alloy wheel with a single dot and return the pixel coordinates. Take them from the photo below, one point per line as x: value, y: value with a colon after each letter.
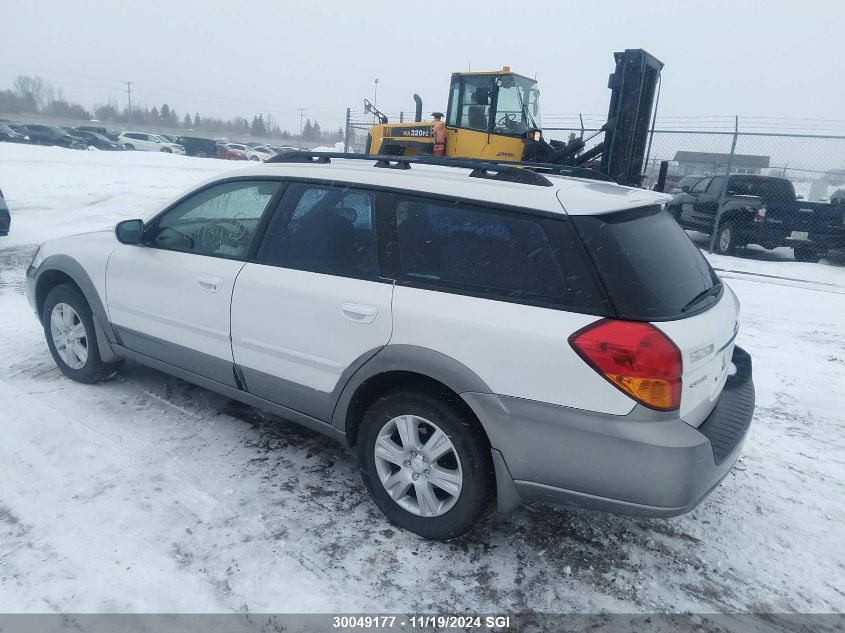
x: 69, y: 336
x: 418, y: 466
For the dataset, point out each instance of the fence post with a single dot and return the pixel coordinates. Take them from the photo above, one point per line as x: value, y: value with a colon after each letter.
x: 724, y: 192
x: 402, y: 117
x: 346, y: 132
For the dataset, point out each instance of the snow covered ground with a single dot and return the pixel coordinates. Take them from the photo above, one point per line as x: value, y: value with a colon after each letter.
x: 146, y: 493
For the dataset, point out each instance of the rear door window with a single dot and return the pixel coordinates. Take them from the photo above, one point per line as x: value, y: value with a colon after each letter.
x: 323, y: 229
x: 490, y: 253
x: 650, y: 267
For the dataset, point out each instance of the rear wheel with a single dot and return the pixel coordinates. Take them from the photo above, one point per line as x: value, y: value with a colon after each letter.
x: 71, y: 338
x: 809, y: 254
x: 202, y: 154
x: 128, y: 146
x: 253, y: 158
x: 425, y: 463
x: 726, y: 239
x: 166, y: 150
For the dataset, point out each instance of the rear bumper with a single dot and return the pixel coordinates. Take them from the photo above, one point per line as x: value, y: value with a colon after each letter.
x: 645, y: 463
x: 835, y: 241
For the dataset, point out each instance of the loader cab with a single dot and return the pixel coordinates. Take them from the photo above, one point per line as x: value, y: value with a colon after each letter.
x: 498, y: 103
x: 493, y: 115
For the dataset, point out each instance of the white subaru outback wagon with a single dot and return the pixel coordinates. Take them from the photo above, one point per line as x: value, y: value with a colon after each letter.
x: 478, y: 333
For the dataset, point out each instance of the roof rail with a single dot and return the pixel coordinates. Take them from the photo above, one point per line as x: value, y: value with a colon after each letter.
x: 488, y: 169
x: 507, y: 170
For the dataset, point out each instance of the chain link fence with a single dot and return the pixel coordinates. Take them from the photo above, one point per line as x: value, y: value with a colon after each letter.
x: 799, y: 202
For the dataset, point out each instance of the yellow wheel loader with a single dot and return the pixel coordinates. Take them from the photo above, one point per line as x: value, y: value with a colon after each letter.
x: 495, y: 116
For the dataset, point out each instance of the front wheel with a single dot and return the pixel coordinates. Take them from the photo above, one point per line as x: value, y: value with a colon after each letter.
x: 71, y: 338
x: 255, y: 158
x: 166, y: 150
x: 426, y: 464
x: 129, y: 146
x: 202, y: 154
x: 809, y: 254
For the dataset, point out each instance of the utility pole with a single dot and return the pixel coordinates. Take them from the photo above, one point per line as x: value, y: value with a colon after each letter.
x: 301, y: 110
x: 128, y: 92
x: 375, y: 93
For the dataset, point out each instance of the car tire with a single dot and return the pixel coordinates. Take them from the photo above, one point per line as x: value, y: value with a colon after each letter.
x: 726, y: 239
x: 255, y: 158
x: 808, y: 254
x: 166, y: 150
x: 71, y: 338
x: 128, y: 146
x: 202, y: 154
x: 403, y: 424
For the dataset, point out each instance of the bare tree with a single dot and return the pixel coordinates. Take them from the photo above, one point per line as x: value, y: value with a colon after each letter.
x: 32, y: 88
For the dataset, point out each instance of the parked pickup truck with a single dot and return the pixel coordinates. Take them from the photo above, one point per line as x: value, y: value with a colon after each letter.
x: 761, y: 210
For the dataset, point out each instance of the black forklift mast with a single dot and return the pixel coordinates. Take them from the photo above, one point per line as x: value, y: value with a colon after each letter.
x: 633, y: 85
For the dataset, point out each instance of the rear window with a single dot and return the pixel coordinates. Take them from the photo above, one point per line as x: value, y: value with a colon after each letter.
x: 650, y: 267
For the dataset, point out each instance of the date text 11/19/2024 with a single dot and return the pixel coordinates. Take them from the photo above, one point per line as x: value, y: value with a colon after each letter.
x: 388, y: 622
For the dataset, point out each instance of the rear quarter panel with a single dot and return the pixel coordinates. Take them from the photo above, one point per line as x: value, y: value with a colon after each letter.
x: 516, y: 350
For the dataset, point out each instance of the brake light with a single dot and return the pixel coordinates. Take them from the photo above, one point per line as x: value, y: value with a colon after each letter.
x: 636, y: 358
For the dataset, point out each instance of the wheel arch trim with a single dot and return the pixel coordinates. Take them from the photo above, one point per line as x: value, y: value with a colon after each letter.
x: 71, y: 268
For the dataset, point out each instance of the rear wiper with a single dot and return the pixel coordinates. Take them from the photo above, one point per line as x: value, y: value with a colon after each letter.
x: 701, y: 296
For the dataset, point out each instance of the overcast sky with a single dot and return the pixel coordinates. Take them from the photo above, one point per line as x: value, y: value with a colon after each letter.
x: 224, y: 58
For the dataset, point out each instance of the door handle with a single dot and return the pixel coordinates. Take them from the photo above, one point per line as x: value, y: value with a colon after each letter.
x: 358, y: 313
x: 209, y: 284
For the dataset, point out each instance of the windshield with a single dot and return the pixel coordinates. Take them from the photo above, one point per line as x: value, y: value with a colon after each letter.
x: 518, y: 105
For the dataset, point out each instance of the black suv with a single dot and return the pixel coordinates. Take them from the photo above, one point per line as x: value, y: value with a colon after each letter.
x: 199, y: 147
x: 52, y: 135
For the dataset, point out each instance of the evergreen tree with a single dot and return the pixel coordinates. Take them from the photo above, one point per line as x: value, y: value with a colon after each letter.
x: 317, y: 133
x: 165, y: 112
x: 197, y: 120
x: 307, y: 131
x: 187, y: 123
x: 257, y: 128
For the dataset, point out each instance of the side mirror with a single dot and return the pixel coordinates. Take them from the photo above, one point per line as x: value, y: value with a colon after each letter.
x: 129, y: 231
x: 685, y: 188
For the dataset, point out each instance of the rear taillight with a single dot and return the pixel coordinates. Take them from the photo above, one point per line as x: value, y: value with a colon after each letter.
x: 636, y: 358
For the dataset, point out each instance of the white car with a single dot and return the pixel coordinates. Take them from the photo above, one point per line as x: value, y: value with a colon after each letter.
x: 148, y: 143
x: 264, y: 153
x: 476, y: 331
